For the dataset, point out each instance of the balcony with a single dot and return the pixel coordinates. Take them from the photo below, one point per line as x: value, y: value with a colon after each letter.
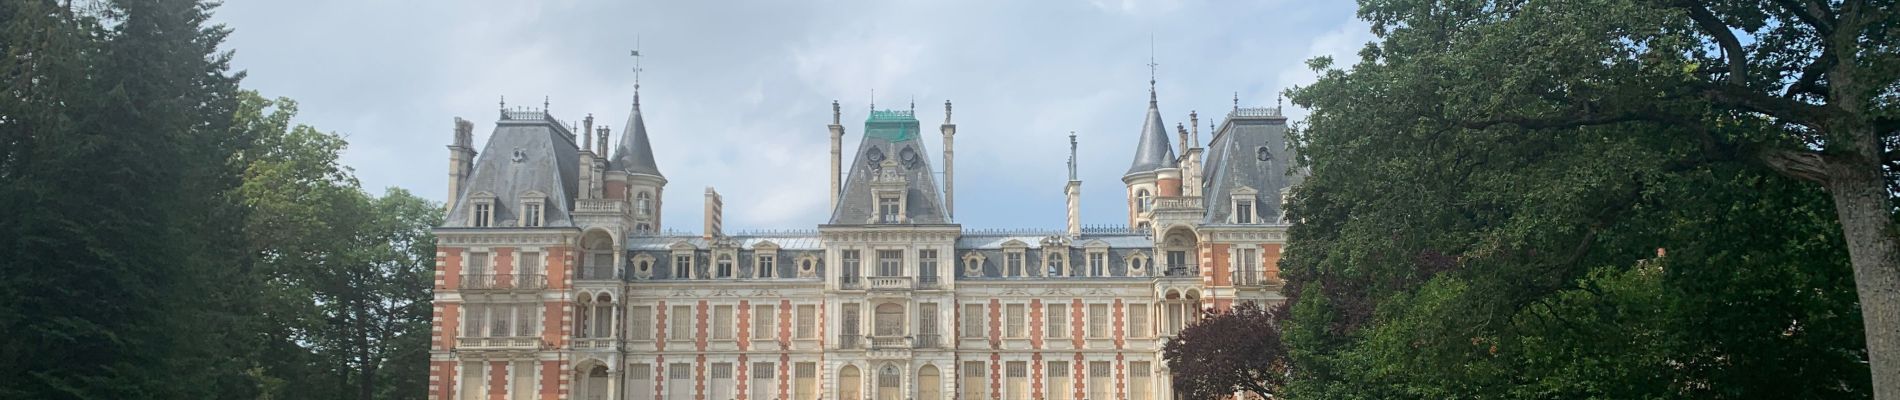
x: 498, y: 343
x: 593, y: 343
x: 849, y: 341
x: 890, y: 283
x: 928, y: 341
x: 600, y: 206
x: 504, y: 282
x: 597, y: 273
x: 1177, y: 203
x: 890, y: 342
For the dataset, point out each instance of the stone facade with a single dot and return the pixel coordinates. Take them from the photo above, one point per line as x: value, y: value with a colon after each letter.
x: 553, y: 281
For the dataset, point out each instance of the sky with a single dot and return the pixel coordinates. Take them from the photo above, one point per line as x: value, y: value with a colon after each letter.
x: 737, y: 95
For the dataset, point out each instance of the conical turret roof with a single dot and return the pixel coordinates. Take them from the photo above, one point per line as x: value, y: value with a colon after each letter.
x: 1152, y: 151
x: 634, y: 154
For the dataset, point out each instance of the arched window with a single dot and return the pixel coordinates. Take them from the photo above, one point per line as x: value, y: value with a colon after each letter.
x: 642, y: 204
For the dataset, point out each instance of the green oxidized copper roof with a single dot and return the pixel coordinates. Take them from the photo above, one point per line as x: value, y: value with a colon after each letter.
x: 891, y: 125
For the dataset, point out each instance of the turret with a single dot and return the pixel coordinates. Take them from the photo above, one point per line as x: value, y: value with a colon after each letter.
x: 1152, y: 156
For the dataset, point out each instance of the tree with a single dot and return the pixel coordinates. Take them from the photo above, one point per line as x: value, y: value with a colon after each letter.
x: 1488, y: 179
x: 1228, y: 352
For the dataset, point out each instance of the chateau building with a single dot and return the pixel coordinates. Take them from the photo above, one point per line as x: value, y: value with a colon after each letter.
x: 554, y: 279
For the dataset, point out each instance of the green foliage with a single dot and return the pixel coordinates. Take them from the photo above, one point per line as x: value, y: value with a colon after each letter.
x: 1486, y: 185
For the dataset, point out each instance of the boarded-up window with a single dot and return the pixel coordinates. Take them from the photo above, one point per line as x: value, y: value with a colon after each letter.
x: 1140, y: 381
x: 1013, y: 326
x: 640, y: 381
x: 1056, y: 383
x: 679, y: 381
x: 1057, y: 316
x: 1098, y: 320
x: 722, y: 323
x: 807, y: 385
x: 975, y: 384
x: 807, y: 321
x: 973, y: 321
x: 764, y: 384
x: 523, y: 387
x: 722, y: 385
x: 472, y: 382
x: 680, y: 324
x: 1016, y: 374
x: 1138, y: 320
x: 764, y: 321
x: 640, y: 322
x: 1099, y: 380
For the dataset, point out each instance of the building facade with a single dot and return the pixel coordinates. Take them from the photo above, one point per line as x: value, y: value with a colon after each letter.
x: 555, y: 281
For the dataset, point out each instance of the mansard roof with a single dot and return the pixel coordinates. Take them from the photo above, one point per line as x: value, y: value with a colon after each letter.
x: 890, y: 136
x: 1152, y: 151
x: 528, y: 152
x: 634, y: 153
x: 1249, y: 150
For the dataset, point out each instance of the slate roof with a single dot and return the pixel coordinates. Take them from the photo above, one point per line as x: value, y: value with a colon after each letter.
x: 890, y: 135
x: 634, y: 153
x: 1234, y: 161
x: 528, y: 151
x: 1152, y: 151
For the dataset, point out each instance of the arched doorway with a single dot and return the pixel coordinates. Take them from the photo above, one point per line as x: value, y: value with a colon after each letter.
x: 597, y: 247
x: 888, y: 379
x: 929, y: 384
x: 850, y: 384
x: 593, y: 381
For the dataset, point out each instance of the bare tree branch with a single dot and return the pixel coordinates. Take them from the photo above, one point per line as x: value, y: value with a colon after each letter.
x: 1806, y: 165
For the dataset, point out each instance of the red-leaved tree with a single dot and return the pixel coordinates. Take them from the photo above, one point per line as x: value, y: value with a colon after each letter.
x: 1228, y: 352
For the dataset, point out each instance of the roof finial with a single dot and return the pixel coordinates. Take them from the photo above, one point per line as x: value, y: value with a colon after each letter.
x: 946, y: 111
x: 834, y: 112
x: 1279, y: 101
x: 1236, y: 101
x: 504, y: 102
x: 544, y: 103
x: 636, y: 71
x: 913, y: 104
x: 873, y: 99
x: 1151, y: 68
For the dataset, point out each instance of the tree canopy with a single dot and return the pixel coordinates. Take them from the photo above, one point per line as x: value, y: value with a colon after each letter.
x: 1234, y: 351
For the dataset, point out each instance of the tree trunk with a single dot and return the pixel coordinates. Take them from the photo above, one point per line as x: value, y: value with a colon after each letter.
x: 1861, y: 201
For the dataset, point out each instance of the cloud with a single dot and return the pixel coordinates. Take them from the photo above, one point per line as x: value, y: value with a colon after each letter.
x: 737, y: 96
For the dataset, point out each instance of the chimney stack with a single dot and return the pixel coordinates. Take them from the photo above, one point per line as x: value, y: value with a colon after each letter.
x: 1194, y: 122
x: 461, y: 158
x: 1074, y: 192
x: 715, y: 220
x: 949, y: 164
x: 1185, y: 145
x: 837, y: 154
x: 587, y: 171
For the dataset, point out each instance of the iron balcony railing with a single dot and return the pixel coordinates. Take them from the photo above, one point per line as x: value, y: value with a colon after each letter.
x: 504, y: 281
x: 596, y: 273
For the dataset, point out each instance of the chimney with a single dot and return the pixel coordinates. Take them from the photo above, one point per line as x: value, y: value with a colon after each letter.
x: 603, y: 142
x: 1185, y: 144
x: 1194, y: 121
x: 949, y: 164
x: 588, y: 183
x: 461, y: 158
x: 715, y: 209
x: 1074, y: 192
x: 837, y: 154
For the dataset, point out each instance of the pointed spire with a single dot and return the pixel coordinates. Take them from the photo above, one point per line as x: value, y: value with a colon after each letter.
x: 1152, y: 151
x: 634, y: 154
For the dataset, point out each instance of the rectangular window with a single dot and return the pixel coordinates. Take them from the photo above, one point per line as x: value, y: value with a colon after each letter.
x: 848, y: 326
x: 1098, y: 264
x: 501, y: 322
x: 680, y: 324
x: 1138, y: 320
x: 527, y: 318
x: 1016, y: 373
x: 975, y: 380
x: 1057, y: 316
x: 1174, y: 318
x: 472, y: 382
x: 807, y: 321
x: 888, y: 209
x: 523, y: 386
x: 1098, y: 320
x: 722, y: 385
x: 890, y: 263
x: 851, y: 262
x: 927, y: 267
x: 640, y: 323
x: 1098, y: 380
x: 683, y: 266
x: 927, y: 319
x: 725, y: 267
x: 483, y: 212
x: 1058, y: 384
x: 973, y: 320
x: 679, y: 381
x: 722, y: 323
x: 1013, y: 322
x: 764, y: 381
x: 478, y: 263
x: 1013, y: 264
x: 1140, y: 381
x: 640, y: 381
x: 807, y: 381
x: 1177, y: 259
x: 1249, y: 262
x: 766, y: 266
x: 530, y: 264
x: 472, y: 320
x: 530, y: 214
x: 764, y: 321
x: 1243, y: 211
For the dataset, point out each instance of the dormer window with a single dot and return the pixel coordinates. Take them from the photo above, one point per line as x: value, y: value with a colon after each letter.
x: 1013, y: 263
x: 888, y: 210
x: 724, y: 268
x: 482, y: 214
x: 533, y: 209
x: 1057, y: 261
x: 1246, y: 208
x: 765, y: 266
x: 972, y: 264
x: 1098, y: 262
x: 682, y: 261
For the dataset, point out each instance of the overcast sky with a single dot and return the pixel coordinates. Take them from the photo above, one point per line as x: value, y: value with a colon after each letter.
x: 737, y: 95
